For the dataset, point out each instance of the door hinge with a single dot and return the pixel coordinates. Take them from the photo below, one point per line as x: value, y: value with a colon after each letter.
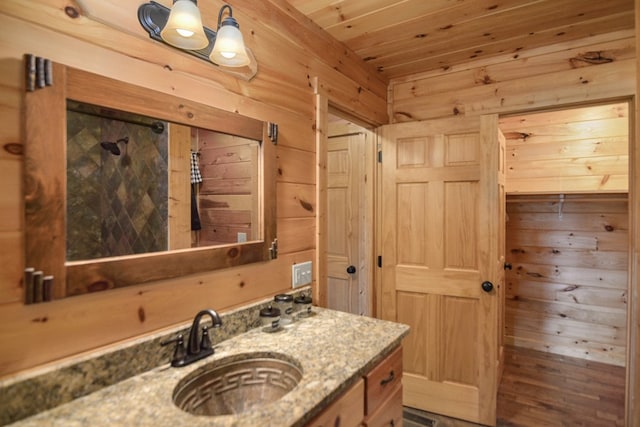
x: 272, y: 132
x: 380, y: 156
x: 379, y: 261
x: 273, y: 251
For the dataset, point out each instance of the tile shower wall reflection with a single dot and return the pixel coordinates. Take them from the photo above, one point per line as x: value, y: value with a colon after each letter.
x: 117, y: 183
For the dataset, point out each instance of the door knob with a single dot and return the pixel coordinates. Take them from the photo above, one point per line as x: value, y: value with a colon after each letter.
x: 487, y: 286
x: 351, y: 269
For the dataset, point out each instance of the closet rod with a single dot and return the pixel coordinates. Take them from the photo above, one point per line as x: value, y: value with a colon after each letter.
x: 345, y: 134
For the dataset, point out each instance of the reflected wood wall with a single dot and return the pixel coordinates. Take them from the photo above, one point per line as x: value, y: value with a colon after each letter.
x: 229, y: 195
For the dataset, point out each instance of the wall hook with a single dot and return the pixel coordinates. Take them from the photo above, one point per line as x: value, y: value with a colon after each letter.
x: 560, y: 205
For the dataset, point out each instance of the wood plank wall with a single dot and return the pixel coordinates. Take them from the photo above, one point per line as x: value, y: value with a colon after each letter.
x: 567, y: 291
x: 573, y: 150
x: 105, y: 37
x: 525, y: 80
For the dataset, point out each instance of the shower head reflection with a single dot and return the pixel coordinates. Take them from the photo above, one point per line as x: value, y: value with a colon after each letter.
x: 112, y: 147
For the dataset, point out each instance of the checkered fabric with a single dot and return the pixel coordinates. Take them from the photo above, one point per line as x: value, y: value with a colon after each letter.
x: 196, y: 177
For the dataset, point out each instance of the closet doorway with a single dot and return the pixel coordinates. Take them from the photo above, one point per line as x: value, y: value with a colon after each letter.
x: 350, y: 206
x: 567, y: 259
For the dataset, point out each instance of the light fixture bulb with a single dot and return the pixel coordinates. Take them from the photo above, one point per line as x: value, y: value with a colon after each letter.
x: 229, y: 49
x: 184, y: 27
x: 184, y: 33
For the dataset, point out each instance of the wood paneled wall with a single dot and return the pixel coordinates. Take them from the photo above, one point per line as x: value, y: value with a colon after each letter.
x: 594, y: 68
x: 105, y: 37
x: 567, y: 292
x: 574, y: 150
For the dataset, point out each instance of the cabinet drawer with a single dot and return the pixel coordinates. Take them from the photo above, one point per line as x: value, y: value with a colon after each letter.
x: 347, y: 411
x: 382, y: 380
x: 390, y: 413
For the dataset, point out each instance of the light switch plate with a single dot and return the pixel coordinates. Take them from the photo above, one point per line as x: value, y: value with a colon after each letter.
x: 301, y: 274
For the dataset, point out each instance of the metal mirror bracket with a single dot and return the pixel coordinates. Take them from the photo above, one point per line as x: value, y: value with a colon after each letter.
x: 39, y: 72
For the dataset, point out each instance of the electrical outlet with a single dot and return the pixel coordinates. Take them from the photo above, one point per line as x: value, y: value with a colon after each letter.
x: 301, y: 274
x: 242, y: 237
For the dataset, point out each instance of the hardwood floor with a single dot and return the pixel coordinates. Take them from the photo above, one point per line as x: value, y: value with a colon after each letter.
x: 546, y: 389
x: 542, y: 389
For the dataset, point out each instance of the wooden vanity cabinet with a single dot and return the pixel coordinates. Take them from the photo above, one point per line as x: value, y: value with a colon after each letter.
x: 383, y: 399
x: 389, y: 414
x: 374, y: 401
x: 346, y: 411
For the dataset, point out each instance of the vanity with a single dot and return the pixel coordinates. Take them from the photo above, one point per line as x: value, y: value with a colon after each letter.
x: 351, y: 375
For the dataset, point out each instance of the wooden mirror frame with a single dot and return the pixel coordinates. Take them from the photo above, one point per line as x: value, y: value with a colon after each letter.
x: 45, y: 183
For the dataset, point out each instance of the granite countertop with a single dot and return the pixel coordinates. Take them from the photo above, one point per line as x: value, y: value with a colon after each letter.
x: 333, y: 349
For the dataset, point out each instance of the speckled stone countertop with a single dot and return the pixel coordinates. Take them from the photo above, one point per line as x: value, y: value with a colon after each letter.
x: 333, y: 349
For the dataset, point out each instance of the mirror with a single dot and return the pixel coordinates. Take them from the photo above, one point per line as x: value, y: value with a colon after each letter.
x: 118, y: 185
x: 125, y: 185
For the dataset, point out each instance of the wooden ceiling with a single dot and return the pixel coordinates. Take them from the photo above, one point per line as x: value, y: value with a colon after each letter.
x: 402, y: 37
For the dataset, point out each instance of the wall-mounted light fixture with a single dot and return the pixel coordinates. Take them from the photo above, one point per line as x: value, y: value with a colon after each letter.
x: 181, y: 27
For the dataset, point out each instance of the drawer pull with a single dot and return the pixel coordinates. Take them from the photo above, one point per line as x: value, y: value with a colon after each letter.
x: 391, y: 377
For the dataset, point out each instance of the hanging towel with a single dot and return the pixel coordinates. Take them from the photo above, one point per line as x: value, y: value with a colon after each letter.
x: 195, y: 217
x: 196, y: 176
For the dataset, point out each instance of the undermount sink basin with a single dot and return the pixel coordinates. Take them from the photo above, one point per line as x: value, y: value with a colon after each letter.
x: 235, y: 385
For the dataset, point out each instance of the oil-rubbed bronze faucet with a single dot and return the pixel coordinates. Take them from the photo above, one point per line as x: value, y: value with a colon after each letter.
x: 195, y: 350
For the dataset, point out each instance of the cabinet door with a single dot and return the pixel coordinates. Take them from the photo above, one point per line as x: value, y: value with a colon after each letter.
x: 389, y: 414
x: 382, y: 381
x: 347, y: 411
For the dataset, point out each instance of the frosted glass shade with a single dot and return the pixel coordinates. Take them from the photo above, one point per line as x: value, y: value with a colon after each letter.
x: 184, y: 27
x: 229, y: 49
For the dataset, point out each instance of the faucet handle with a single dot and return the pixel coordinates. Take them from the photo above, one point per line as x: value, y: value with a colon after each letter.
x: 205, y: 341
x: 179, y: 353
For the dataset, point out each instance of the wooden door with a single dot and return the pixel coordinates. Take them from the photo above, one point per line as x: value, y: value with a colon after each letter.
x: 441, y: 229
x: 345, y: 165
